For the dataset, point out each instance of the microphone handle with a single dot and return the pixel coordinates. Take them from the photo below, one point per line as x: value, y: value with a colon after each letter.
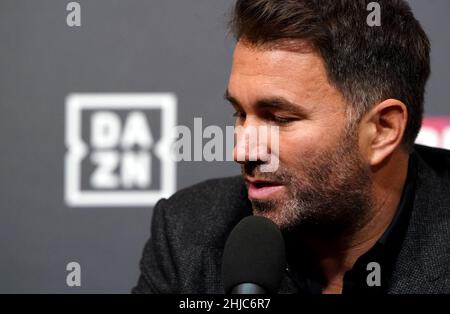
x: 248, y: 288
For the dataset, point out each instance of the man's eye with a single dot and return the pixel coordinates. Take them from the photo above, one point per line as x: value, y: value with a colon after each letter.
x: 280, y: 120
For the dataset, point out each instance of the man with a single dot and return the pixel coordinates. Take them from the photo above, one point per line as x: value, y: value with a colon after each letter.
x: 352, y: 194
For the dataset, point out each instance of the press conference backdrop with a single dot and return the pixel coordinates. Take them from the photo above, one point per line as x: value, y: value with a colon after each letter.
x: 76, y: 199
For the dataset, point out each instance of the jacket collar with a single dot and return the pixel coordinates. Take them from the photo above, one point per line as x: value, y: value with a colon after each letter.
x: 423, y: 254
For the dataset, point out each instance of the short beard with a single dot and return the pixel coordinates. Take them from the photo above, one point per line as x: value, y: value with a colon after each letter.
x: 332, y: 197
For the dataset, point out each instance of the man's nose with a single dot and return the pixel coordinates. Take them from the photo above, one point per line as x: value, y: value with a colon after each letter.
x: 251, y: 144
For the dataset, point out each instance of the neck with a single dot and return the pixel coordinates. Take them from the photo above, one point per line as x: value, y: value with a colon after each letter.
x: 338, y: 255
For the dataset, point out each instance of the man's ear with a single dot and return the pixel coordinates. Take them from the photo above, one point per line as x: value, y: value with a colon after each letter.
x: 382, y: 130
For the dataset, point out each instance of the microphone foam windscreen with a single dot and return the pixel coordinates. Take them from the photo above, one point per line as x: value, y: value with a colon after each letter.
x: 254, y: 253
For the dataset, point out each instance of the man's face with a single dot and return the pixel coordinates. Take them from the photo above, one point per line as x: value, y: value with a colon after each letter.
x: 321, y: 179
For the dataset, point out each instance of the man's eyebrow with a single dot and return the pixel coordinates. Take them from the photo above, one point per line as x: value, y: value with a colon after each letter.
x: 271, y: 103
x: 281, y: 104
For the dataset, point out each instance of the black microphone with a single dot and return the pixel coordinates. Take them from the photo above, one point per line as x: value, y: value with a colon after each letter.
x: 254, y: 257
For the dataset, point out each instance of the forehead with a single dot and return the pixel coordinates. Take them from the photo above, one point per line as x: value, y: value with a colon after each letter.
x: 298, y: 75
x: 262, y: 59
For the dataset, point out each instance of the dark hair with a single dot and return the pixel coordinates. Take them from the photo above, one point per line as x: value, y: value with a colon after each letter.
x: 366, y: 64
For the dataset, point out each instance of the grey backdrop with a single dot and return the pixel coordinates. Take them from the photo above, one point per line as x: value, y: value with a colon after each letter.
x: 178, y: 46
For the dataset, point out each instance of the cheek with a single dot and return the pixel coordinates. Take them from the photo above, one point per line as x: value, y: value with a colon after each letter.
x: 304, y: 142
x: 303, y: 147
x: 296, y: 151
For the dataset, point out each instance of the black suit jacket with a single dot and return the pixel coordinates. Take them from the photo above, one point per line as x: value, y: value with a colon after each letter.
x: 189, y: 230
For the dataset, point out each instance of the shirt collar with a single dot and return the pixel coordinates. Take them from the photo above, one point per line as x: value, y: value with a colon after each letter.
x: 401, y: 217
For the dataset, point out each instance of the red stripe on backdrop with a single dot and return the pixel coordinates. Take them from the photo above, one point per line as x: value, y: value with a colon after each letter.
x: 435, y: 132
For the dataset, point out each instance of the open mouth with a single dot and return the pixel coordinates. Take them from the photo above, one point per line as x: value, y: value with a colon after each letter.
x: 264, y: 184
x: 263, y: 190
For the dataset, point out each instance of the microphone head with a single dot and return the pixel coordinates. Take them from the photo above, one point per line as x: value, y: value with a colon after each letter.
x: 254, y: 253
